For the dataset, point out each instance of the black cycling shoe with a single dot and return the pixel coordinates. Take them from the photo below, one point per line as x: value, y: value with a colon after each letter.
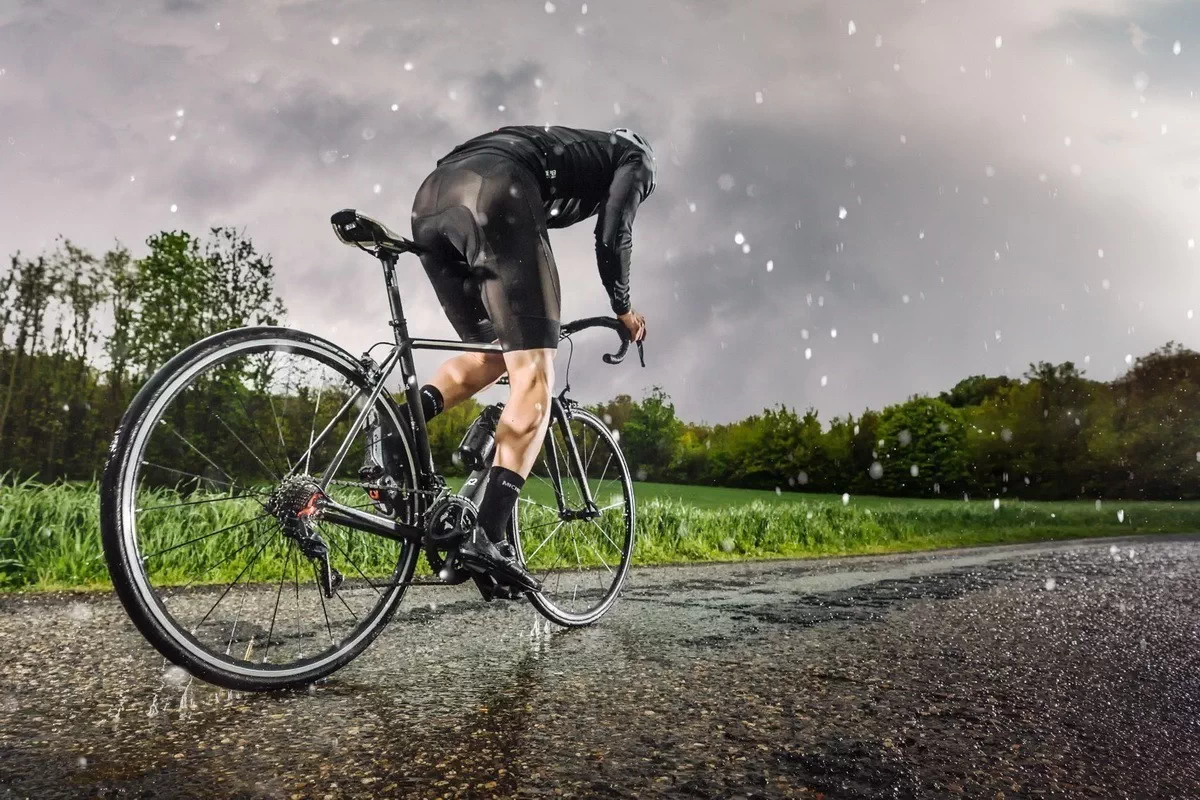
x: 498, y: 560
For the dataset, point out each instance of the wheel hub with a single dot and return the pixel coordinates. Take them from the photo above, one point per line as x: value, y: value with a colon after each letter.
x: 297, y: 503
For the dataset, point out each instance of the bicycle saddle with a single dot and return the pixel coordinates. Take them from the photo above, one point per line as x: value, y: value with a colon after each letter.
x: 359, y: 230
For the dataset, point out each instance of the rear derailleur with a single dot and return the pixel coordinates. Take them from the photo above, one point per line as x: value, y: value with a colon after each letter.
x: 297, y: 504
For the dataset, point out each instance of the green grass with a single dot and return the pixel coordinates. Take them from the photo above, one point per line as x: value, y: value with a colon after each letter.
x: 49, y: 534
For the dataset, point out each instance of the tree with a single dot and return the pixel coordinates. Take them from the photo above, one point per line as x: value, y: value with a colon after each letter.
x: 651, y: 437
x: 923, y: 450
x: 187, y: 289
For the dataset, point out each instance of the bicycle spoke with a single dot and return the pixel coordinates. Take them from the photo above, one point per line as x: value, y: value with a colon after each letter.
x: 606, y: 536
x: 278, y: 595
x: 205, y: 536
x: 196, y: 450
x: 543, y: 542
x: 312, y: 430
x: 324, y: 608
x: 338, y: 595
x: 597, y: 552
x: 193, y: 503
x: 357, y: 569
x: 279, y: 430
x: 224, y: 560
x: 231, y: 585
x: 198, y: 477
x: 254, y: 426
x: 270, y: 471
x: 314, y: 442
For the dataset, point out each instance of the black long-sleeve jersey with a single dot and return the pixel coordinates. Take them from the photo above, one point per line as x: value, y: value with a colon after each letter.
x: 580, y: 173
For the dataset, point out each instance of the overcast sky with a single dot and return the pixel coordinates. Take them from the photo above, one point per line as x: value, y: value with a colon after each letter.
x: 954, y: 186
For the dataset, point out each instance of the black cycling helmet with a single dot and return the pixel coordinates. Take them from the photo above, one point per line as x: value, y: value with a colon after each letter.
x: 642, y: 144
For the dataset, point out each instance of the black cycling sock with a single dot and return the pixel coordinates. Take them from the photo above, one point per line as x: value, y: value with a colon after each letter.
x: 501, y: 491
x: 432, y: 402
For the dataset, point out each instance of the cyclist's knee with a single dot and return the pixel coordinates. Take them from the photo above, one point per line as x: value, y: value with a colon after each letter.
x: 531, y: 380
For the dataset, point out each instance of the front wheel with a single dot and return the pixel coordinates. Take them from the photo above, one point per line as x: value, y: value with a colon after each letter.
x: 206, y: 565
x: 580, y: 552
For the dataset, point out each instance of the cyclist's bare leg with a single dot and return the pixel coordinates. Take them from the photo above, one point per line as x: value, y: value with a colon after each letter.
x: 466, y: 375
x: 527, y: 413
x: 519, y: 436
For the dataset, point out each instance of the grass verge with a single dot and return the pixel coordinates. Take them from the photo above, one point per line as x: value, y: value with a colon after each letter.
x: 49, y: 534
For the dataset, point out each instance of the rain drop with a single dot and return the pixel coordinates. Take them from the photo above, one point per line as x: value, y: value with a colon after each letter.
x: 999, y: 42
x: 770, y: 266
x: 738, y: 238
x: 174, y: 208
x: 841, y: 212
x: 1051, y: 584
x: 851, y: 29
x: 334, y: 41
x: 549, y: 7
x: 824, y: 380
x: 408, y: 67
x: 914, y: 470
x: 875, y: 338
x: 876, y: 470
x: 846, y: 499
x: 996, y: 504
x: 1121, y: 515
x: 807, y: 353
x: 1178, y: 48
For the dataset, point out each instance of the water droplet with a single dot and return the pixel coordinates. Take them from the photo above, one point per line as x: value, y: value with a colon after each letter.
x: 368, y: 134
x: 1128, y: 358
x: 778, y: 491
x: 1051, y: 584
x: 333, y: 40
x: 807, y: 353
x: 999, y: 41
x: 550, y: 7
x: 1121, y: 515
x: 851, y: 29
x: 846, y: 499
x: 875, y: 338
x: 758, y: 97
x: 833, y: 333
x: 727, y: 544
x: 841, y: 212
x: 989, y: 171
x: 914, y: 470
x: 377, y: 188
x: 738, y: 238
x: 176, y: 676
x: 1178, y: 48
x: 904, y: 437
x: 770, y: 266
x: 996, y: 504
x: 408, y: 66
x: 824, y: 380
x: 726, y: 182
x: 876, y: 470
x: 174, y: 208
x: 395, y: 106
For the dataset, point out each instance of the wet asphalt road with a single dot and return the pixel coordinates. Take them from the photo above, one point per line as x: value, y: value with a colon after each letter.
x: 1061, y: 670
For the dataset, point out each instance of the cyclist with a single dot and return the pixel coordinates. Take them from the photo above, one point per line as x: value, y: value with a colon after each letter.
x: 481, y: 219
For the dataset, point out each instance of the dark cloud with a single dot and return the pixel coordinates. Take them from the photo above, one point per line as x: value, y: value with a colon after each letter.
x: 994, y: 184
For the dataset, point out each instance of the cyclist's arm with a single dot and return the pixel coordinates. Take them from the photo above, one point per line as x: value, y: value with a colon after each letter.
x: 614, y: 230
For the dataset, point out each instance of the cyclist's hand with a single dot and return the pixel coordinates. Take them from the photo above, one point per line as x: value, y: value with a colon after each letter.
x: 635, y: 323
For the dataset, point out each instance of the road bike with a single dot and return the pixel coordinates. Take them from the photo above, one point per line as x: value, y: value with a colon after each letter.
x: 267, y: 500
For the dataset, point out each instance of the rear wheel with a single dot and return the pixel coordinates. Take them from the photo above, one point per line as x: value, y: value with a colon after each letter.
x: 190, y: 499
x: 580, y: 553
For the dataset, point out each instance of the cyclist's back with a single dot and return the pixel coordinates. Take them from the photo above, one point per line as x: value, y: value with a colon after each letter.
x: 482, y: 218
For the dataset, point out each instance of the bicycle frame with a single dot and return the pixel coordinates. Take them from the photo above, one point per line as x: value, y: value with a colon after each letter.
x: 401, y: 355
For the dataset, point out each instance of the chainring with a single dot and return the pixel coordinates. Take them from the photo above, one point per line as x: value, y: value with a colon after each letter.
x: 448, y: 522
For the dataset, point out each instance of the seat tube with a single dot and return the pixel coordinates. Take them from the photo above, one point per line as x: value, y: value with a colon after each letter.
x: 408, y: 368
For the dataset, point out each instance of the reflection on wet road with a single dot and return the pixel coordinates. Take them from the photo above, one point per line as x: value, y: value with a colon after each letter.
x: 1056, y: 670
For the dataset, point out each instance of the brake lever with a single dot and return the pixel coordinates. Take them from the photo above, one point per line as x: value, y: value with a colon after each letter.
x: 641, y: 354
